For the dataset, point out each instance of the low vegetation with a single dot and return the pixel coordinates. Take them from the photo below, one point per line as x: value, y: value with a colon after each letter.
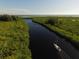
x: 65, y: 26
x: 14, y: 38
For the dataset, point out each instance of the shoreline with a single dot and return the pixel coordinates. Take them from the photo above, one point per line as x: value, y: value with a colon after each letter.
x: 73, y: 42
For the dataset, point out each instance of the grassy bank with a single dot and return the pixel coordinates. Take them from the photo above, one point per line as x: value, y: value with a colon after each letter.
x: 66, y: 27
x: 14, y: 40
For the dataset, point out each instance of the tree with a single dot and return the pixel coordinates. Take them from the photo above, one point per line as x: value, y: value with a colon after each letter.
x: 8, y: 18
x: 52, y: 21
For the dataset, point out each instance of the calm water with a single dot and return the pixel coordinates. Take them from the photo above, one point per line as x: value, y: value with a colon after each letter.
x: 41, y: 44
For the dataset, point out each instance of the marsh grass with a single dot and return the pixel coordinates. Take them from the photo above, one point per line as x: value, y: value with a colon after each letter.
x: 66, y: 26
x: 14, y: 40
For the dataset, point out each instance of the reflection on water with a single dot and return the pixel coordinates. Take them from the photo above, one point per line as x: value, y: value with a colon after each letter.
x: 41, y: 44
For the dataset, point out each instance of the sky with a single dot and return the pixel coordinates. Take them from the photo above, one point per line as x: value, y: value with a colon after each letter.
x: 39, y: 7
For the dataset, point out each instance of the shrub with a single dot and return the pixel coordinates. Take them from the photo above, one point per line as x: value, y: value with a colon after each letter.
x: 8, y: 18
x: 52, y: 21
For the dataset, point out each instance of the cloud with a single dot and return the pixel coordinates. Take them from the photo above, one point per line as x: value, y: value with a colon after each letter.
x: 59, y: 12
x: 15, y: 11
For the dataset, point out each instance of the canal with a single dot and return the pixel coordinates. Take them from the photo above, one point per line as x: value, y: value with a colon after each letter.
x: 45, y: 44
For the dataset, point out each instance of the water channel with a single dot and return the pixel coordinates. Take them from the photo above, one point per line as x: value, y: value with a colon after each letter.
x: 44, y: 43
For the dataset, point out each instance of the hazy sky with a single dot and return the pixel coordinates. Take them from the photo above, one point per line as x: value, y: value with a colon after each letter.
x: 39, y: 7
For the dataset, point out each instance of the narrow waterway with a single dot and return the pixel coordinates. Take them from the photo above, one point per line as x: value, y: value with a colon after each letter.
x: 42, y: 44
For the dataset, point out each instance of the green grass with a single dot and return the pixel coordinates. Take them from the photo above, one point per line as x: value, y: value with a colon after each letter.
x: 66, y: 26
x: 14, y: 40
